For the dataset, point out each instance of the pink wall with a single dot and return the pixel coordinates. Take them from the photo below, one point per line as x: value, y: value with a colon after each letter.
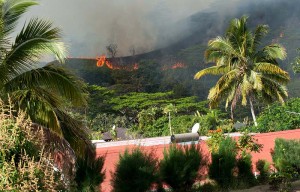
x: 112, y: 153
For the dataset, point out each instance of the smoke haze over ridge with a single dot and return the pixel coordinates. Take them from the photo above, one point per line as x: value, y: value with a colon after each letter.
x: 90, y: 25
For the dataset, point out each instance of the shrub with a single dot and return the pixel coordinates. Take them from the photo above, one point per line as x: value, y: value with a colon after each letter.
x: 216, y: 137
x: 25, y: 165
x: 279, y: 117
x: 135, y: 171
x: 281, y: 181
x: 264, y: 171
x: 223, y: 163
x: 89, y: 175
x: 245, y: 177
x: 286, y: 155
x: 180, y: 166
x: 246, y: 143
x: 286, y: 158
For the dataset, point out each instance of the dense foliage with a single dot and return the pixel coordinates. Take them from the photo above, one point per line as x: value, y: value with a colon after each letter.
x: 286, y: 155
x: 286, y: 160
x: 135, y: 171
x: 144, y: 113
x: 41, y: 91
x: 180, y: 166
x: 25, y: 165
x: 89, y: 175
x: 223, y: 162
x: 245, y: 178
x: 263, y: 168
x: 277, y: 117
x: 231, y: 165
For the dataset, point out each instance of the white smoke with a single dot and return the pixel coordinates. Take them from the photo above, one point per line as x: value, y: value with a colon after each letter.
x: 90, y: 25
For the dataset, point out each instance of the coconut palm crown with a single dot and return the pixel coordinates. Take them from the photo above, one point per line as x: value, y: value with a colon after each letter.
x: 40, y: 91
x: 248, y: 70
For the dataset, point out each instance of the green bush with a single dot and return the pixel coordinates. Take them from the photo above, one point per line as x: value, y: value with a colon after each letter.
x: 216, y: 137
x: 264, y: 171
x: 279, y: 117
x: 281, y: 181
x: 135, y: 172
x: 223, y: 163
x: 89, y: 175
x: 180, y: 166
x: 286, y: 155
x: 286, y: 158
x: 245, y: 178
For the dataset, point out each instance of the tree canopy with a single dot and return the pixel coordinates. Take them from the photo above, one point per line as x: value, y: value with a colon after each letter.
x: 247, y: 69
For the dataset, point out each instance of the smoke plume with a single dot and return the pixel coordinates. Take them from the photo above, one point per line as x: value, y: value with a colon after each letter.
x: 143, y: 25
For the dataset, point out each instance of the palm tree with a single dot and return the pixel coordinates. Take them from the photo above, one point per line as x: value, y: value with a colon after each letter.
x: 248, y: 70
x: 40, y: 91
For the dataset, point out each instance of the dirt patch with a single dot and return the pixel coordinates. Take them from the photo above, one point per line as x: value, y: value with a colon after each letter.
x: 266, y: 188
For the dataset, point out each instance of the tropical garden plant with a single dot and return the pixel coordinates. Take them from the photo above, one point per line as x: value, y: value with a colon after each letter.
x: 263, y: 168
x: 180, y: 166
x: 223, y: 162
x: 41, y: 91
x: 277, y: 117
x: 135, y: 171
x: 286, y: 157
x: 248, y: 70
x: 27, y: 162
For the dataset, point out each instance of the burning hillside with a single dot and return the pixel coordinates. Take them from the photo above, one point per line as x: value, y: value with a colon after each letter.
x: 120, y: 64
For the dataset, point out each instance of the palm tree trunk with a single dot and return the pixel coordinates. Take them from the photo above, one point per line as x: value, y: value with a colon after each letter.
x: 252, y: 112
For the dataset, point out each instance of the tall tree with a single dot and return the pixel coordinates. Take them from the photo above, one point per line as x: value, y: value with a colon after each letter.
x: 40, y: 91
x: 248, y: 70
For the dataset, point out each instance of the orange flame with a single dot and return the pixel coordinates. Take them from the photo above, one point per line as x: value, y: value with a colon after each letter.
x: 178, y: 65
x: 102, y: 60
x: 175, y: 66
x: 135, y: 66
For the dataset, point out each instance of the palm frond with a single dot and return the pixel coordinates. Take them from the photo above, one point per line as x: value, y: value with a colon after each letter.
x: 269, y: 68
x: 259, y: 33
x: 215, y: 70
x: 36, y: 39
x: 236, y: 33
x: 274, y: 51
x: 246, y: 87
x: 53, y: 78
x: 12, y: 10
x: 39, y: 104
x: 76, y: 134
x: 220, y: 47
x: 276, y: 91
x: 255, y: 79
x: 222, y: 87
x: 232, y: 94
